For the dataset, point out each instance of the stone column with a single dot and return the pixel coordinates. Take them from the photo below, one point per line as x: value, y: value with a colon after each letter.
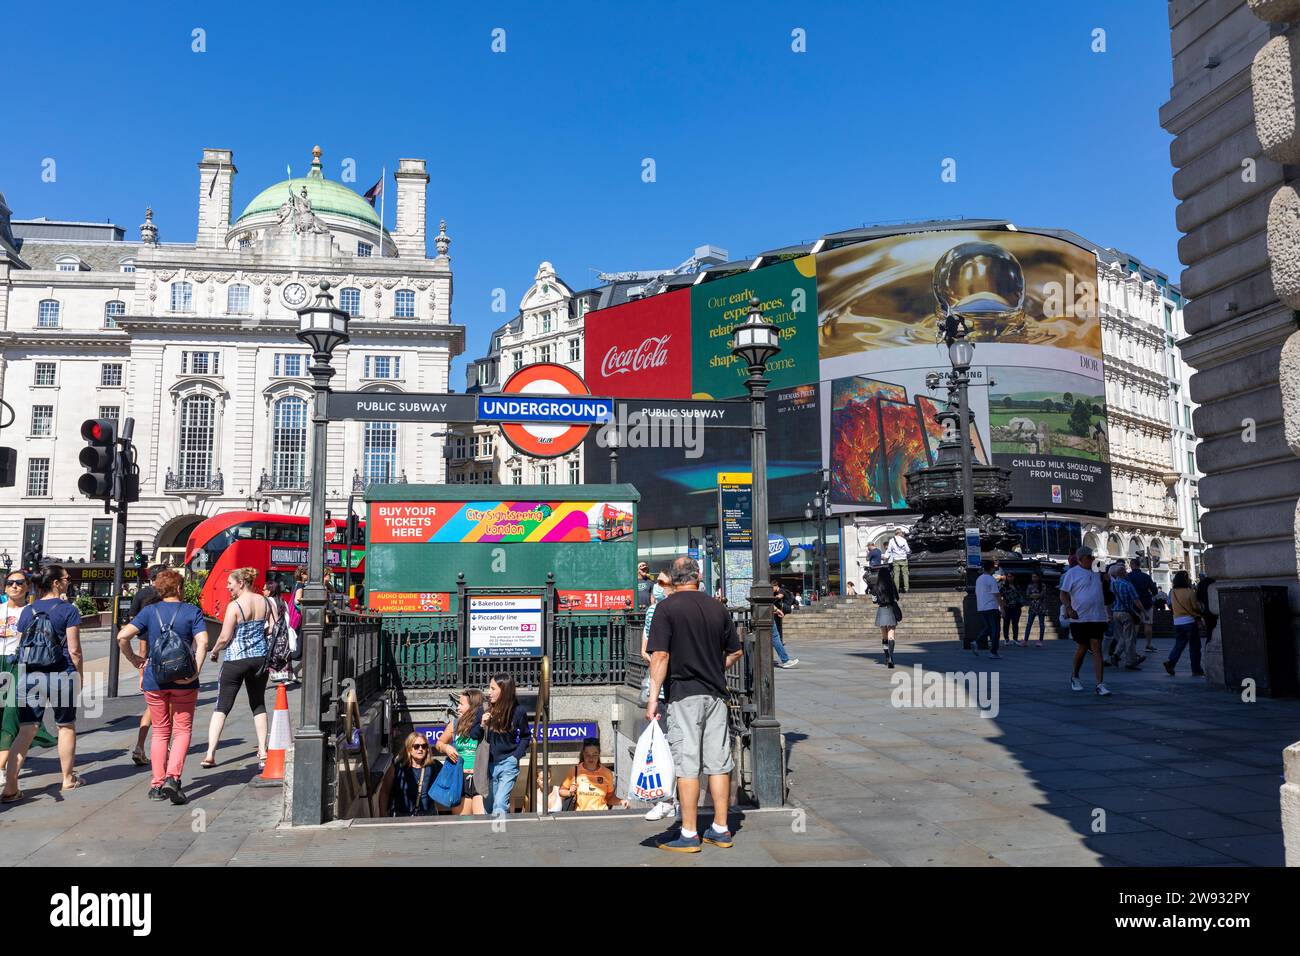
x: 216, y: 183
x: 409, y: 229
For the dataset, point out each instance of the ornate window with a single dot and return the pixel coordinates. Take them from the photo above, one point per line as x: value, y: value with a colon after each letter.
x: 110, y: 375
x: 198, y: 414
x: 575, y: 350
x: 364, y: 249
x: 182, y: 297
x: 46, y: 373
x: 350, y: 301
x: 112, y: 312
x: 380, y: 452
x: 289, y: 442
x: 47, y: 314
x: 404, y: 304
x: 237, y: 300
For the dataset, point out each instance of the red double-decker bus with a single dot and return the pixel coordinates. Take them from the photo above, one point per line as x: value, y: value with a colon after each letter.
x: 274, y: 545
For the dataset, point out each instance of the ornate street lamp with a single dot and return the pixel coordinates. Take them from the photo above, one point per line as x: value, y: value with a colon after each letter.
x: 324, y: 328
x: 755, y: 341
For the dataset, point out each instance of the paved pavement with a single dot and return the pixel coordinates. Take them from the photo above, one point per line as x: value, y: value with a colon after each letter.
x: 1167, y: 771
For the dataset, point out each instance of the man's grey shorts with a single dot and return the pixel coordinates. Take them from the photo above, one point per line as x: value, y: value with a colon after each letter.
x: 699, y: 737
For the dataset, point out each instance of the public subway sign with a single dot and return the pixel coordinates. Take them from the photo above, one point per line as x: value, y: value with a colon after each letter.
x: 400, y: 407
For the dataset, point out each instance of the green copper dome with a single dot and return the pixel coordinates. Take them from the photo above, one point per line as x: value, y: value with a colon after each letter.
x: 328, y: 198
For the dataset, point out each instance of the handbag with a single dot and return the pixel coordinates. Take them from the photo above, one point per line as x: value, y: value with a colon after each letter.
x: 448, y: 788
x: 571, y: 801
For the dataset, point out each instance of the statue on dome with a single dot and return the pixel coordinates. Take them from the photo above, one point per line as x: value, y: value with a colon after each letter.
x: 306, y: 221
x: 295, y: 216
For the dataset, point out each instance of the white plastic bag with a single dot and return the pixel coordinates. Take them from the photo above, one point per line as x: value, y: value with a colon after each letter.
x: 652, y: 768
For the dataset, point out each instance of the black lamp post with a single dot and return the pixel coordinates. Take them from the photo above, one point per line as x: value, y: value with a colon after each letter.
x: 817, y: 508
x: 324, y: 328
x: 755, y: 341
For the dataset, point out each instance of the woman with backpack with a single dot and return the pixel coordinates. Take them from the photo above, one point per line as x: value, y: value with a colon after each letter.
x: 279, y: 663
x: 177, y: 640
x: 49, y: 650
x: 15, y: 600
x: 244, y: 637
x: 505, y: 724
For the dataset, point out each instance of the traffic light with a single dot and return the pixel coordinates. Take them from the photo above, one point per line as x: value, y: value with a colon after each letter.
x: 99, y: 458
x: 354, y: 530
x: 138, y: 558
x: 711, y: 545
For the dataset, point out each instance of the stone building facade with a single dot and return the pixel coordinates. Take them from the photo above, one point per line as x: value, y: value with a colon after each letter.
x: 196, y: 341
x: 1233, y: 113
x: 1137, y: 316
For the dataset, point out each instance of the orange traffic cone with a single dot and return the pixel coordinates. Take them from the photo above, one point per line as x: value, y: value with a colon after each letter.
x: 280, y: 739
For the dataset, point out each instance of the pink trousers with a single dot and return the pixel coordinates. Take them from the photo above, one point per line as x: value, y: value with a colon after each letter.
x: 173, y: 723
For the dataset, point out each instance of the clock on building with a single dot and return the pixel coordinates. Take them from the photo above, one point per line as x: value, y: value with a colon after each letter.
x: 294, y: 295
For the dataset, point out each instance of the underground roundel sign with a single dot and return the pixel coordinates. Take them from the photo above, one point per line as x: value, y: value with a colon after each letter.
x: 535, y: 438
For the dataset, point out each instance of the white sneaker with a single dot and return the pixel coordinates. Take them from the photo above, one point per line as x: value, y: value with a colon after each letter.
x: 1102, y: 691
x: 792, y: 662
x: 660, y: 810
x: 1076, y: 684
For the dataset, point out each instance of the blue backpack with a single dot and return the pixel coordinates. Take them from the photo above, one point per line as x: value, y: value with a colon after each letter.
x: 171, y: 657
x: 41, y: 647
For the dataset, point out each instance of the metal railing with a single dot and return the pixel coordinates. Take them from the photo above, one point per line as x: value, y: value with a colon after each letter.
x: 194, y: 481
x: 353, y: 651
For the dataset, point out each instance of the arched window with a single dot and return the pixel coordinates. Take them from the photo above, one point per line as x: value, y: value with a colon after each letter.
x: 237, y: 300
x: 380, y: 452
x: 197, y: 431
x: 47, y: 314
x: 289, y: 442
x: 112, y: 312
x: 404, y: 304
x: 350, y: 301
x: 182, y: 297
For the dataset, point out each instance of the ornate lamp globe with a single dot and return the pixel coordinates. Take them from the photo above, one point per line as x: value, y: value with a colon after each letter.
x: 321, y: 325
x: 979, y: 280
x: 756, y: 340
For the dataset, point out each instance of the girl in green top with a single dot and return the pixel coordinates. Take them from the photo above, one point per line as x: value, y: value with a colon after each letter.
x: 459, y: 743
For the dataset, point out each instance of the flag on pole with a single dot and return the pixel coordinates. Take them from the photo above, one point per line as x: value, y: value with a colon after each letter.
x: 374, y: 192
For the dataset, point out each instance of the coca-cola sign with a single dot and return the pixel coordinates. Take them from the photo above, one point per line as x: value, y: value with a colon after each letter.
x: 640, y: 349
x: 652, y: 353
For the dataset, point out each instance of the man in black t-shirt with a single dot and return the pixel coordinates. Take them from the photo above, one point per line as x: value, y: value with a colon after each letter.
x: 692, y: 643
x: 145, y: 594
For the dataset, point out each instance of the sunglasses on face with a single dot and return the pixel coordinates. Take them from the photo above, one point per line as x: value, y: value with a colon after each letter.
x: 16, y: 582
x: 419, y: 746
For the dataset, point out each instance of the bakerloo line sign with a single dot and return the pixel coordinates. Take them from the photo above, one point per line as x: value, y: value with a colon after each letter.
x: 544, y: 410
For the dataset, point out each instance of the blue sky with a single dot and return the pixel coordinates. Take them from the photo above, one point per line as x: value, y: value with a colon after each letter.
x: 536, y: 153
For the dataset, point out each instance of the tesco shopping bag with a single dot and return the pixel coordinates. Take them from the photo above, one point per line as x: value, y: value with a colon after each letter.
x: 652, y: 767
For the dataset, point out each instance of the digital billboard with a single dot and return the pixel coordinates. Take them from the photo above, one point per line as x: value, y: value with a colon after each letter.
x: 1037, y: 392
x: 787, y: 294
x: 678, y: 486
x: 641, y: 349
